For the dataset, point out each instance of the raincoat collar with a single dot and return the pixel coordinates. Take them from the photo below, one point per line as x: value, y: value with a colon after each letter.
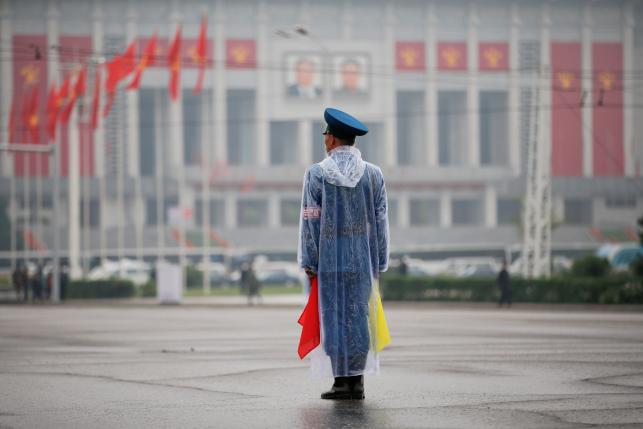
x: 343, y: 166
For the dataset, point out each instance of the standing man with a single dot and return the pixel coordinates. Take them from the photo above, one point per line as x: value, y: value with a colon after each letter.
x: 343, y: 242
x: 505, y: 285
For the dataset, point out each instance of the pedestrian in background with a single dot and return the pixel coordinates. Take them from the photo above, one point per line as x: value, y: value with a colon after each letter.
x: 504, y: 283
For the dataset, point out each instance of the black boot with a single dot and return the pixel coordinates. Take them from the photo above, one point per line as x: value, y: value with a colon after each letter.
x: 346, y: 388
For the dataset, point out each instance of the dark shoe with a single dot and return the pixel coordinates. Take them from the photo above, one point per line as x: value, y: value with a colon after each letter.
x: 346, y: 388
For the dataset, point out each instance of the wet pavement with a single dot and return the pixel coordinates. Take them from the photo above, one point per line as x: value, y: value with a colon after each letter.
x: 237, y: 367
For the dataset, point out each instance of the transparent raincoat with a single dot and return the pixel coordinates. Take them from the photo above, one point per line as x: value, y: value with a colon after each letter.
x: 344, y: 237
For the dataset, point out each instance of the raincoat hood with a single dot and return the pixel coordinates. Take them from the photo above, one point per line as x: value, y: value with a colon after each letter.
x: 343, y: 166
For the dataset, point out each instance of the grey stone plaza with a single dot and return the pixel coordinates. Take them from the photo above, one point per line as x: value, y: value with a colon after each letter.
x: 232, y: 366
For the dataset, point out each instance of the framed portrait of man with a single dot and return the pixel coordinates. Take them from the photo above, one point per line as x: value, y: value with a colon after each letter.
x: 351, y: 75
x: 303, y: 76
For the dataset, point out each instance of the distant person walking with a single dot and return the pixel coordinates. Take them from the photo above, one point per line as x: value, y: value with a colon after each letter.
x: 504, y: 283
x: 250, y: 283
x: 24, y: 274
x: 16, y: 279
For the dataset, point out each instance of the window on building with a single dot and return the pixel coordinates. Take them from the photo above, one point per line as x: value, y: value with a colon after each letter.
x: 151, y: 215
x: 424, y: 212
x: 620, y: 201
x: 252, y: 213
x: 466, y: 212
x: 410, y: 127
x: 452, y: 128
x: 195, y: 123
x: 371, y: 145
x: 494, y: 147
x: 289, y: 212
x: 319, y: 150
x: 578, y: 211
x: 283, y: 136
x: 93, y: 212
x: 508, y: 211
x: 241, y: 126
x: 147, y: 131
x: 217, y: 212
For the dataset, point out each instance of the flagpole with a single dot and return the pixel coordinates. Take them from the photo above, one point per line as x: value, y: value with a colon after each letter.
x: 159, y: 170
x: 74, y: 195
x: 205, y: 193
x: 86, y: 195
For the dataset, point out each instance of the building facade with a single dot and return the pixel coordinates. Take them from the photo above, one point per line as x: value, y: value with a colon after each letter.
x: 447, y: 88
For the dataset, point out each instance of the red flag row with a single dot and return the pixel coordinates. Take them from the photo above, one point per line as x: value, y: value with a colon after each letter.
x: 62, y: 99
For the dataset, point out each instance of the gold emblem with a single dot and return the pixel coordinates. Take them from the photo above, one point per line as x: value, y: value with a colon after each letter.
x: 240, y: 54
x: 451, y: 57
x: 565, y: 79
x: 409, y: 56
x: 493, y: 56
x: 606, y: 79
x: 30, y: 74
x: 33, y: 121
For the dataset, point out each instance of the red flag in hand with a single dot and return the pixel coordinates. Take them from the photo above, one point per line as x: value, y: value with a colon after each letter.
x: 174, y: 62
x: 309, y: 320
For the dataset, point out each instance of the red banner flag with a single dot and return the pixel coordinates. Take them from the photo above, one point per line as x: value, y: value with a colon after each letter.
x: 30, y: 117
x: 96, y: 99
x: 410, y: 56
x: 493, y: 56
x: 118, y: 69
x: 607, y: 112
x: 174, y: 62
x: 309, y: 321
x: 241, y: 54
x: 81, y: 83
x: 452, y: 56
x: 566, y: 116
x: 147, y: 59
x: 200, y: 54
x: 52, y: 112
x: 12, y: 120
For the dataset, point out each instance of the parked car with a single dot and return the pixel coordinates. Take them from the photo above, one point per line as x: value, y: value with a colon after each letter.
x: 620, y: 256
x: 138, y: 272
x: 277, y: 272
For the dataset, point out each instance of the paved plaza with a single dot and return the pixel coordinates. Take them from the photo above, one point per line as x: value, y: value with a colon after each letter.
x: 234, y: 366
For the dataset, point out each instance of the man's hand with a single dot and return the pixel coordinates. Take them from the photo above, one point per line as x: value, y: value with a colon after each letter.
x: 310, y: 273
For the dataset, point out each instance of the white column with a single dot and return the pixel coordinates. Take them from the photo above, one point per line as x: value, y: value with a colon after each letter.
x: 305, y: 138
x: 261, y: 99
x: 273, y: 211
x: 230, y: 210
x: 628, y: 92
x: 220, y: 114
x: 74, y: 197
x: 545, y: 94
x: 473, y: 104
x: 133, y: 155
x: 586, y: 66
x: 99, y: 133
x: 430, y: 96
x: 514, y: 91
x: 445, y: 210
x: 176, y: 148
x: 132, y: 103
x: 490, y: 207
x: 6, y: 81
x: 347, y: 20
x: 390, y: 123
x: 403, y: 210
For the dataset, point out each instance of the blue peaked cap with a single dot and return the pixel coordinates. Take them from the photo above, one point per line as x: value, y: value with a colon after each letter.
x: 343, y: 125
